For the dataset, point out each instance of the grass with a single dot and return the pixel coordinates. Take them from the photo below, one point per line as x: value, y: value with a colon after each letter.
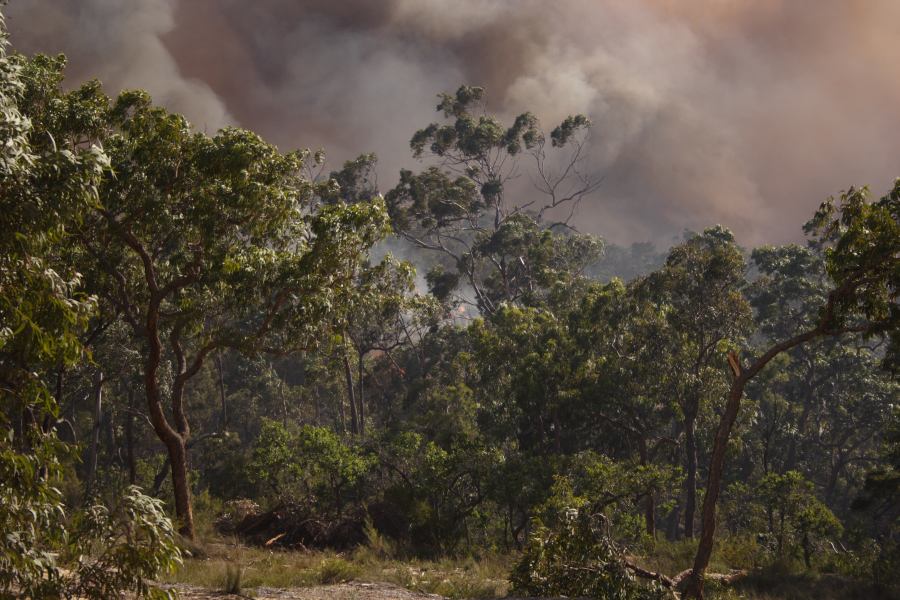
x: 775, y: 584
x: 226, y: 566
x: 221, y: 565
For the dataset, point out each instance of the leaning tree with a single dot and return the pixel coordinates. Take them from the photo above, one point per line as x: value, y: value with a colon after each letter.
x: 861, y: 242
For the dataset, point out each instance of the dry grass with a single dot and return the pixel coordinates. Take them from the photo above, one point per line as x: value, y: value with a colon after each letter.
x: 225, y: 565
x: 215, y: 565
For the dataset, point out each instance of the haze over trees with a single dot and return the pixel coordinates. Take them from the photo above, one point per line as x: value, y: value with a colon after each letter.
x: 213, y: 321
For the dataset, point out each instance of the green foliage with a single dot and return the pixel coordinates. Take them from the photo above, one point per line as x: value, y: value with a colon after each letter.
x: 797, y: 519
x: 122, y: 549
x: 46, y: 190
x: 138, y: 247
x: 32, y: 518
x: 504, y: 252
x: 104, y: 552
x: 431, y: 493
x: 307, y: 464
x: 577, y: 559
x: 862, y: 241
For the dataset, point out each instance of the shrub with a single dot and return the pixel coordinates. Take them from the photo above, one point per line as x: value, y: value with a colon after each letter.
x: 107, y: 552
x: 577, y: 558
x: 121, y: 549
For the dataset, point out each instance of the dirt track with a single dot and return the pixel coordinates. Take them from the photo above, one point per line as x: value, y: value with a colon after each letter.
x: 343, y: 591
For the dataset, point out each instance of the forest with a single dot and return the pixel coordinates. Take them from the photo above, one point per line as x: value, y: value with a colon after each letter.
x: 211, y: 348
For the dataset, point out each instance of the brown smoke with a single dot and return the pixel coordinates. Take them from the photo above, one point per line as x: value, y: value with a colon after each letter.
x: 745, y: 113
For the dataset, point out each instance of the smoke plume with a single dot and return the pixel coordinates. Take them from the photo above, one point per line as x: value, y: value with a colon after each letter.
x: 705, y: 111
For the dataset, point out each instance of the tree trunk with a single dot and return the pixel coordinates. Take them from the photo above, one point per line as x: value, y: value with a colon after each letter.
x: 791, y: 460
x: 174, y: 439
x: 94, y: 448
x: 720, y: 445
x: 341, y: 416
x: 348, y: 375
x: 109, y: 435
x: 360, y: 395
x: 716, y: 469
x: 161, y: 476
x: 690, y: 466
x: 223, y: 415
x: 650, y: 500
x: 673, y: 521
x: 129, y: 440
x: 181, y: 486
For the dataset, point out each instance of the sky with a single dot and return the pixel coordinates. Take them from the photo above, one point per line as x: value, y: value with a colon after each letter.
x: 742, y: 113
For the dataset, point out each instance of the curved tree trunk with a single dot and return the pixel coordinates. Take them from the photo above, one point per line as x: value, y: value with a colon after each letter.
x: 713, y: 487
x: 720, y: 446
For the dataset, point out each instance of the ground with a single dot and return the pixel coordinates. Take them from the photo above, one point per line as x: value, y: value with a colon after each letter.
x: 342, y: 591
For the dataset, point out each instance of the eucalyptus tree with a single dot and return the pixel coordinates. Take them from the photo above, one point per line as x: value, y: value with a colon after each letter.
x: 861, y: 244
x: 626, y: 375
x: 43, y: 311
x: 700, y: 290
x: 524, y: 376
x: 202, y: 243
x: 880, y: 498
x: 834, y: 400
x: 48, y: 183
x: 493, y: 245
x: 385, y: 319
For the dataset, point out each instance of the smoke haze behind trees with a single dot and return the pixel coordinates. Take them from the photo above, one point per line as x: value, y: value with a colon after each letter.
x: 741, y: 113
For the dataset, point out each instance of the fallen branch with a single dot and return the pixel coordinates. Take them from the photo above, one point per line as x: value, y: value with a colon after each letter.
x: 678, y: 583
x: 652, y: 575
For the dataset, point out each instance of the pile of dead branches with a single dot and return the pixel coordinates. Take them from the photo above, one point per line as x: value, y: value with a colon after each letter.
x: 294, y: 526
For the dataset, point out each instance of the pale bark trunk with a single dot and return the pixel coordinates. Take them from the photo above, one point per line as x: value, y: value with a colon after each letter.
x: 94, y: 448
x: 361, y: 397
x: 690, y: 465
x: 223, y: 415
x: 129, y: 440
x: 351, y: 395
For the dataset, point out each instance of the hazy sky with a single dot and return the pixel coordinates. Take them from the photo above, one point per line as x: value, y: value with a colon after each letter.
x: 745, y: 113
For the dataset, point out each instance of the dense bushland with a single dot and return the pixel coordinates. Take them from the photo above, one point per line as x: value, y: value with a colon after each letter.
x: 204, y: 316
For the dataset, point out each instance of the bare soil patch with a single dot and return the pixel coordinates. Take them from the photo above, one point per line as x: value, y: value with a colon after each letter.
x: 342, y: 591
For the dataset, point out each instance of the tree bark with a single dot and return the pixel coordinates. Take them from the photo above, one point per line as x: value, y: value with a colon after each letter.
x: 181, y: 486
x: 360, y: 395
x: 129, y: 440
x: 94, y: 448
x: 173, y: 439
x: 720, y: 445
x: 690, y: 465
x: 161, y: 476
x: 223, y: 415
x: 650, y: 500
x: 348, y: 375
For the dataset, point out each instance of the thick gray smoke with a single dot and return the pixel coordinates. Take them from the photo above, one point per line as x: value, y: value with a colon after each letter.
x: 745, y: 113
